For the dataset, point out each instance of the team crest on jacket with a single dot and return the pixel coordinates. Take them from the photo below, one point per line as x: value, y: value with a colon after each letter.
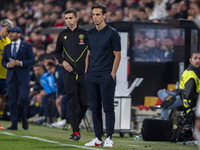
x: 65, y: 37
x: 81, y: 37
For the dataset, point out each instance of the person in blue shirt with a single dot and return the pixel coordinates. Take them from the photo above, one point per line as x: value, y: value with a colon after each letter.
x: 61, y: 98
x: 48, y: 93
x: 102, y: 61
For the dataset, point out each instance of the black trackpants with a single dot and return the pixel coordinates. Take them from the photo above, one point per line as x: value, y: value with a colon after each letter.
x: 78, y: 101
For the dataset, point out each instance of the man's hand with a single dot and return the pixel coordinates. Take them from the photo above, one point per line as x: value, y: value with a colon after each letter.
x: 11, y: 64
x: 17, y: 63
x: 113, y: 75
x: 67, y: 66
x: 32, y: 83
x: 197, y: 124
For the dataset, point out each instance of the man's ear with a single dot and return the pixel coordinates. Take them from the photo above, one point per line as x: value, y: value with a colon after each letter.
x: 104, y: 16
x: 190, y: 60
x: 77, y: 18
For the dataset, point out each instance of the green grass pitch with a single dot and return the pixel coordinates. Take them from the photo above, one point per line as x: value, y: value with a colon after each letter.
x: 45, y: 138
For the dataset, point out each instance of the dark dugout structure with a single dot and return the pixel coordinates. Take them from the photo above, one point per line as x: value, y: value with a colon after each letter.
x: 147, y: 53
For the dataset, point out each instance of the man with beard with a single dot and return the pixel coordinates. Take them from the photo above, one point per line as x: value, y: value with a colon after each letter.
x: 17, y: 58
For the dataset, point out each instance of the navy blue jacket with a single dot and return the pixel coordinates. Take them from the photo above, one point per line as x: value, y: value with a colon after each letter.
x: 24, y: 54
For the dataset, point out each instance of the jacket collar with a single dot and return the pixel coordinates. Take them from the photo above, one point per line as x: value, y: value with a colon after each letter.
x: 74, y: 29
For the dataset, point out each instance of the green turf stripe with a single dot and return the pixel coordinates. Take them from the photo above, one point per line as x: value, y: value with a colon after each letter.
x: 48, y: 141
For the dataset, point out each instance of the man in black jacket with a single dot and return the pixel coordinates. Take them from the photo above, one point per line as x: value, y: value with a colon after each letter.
x: 71, y: 51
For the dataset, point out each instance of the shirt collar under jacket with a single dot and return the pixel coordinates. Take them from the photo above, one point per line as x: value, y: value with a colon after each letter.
x: 18, y: 42
x: 71, y: 30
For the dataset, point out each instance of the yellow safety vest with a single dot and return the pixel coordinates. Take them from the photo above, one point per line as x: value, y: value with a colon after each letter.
x: 184, y: 78
x: 3, y: 43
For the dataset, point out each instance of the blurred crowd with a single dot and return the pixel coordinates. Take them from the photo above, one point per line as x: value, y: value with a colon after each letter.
x: 34, y: 15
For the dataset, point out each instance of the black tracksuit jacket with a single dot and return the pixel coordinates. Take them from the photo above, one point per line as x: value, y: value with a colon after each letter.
x: 72, y: 47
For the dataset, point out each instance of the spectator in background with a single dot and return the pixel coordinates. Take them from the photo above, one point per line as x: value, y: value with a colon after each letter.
x: 61, y: 98
x: 47, y: 95
x: 120, y: 4
x: 183, y: 9
x: 149, y: 10
x: 133, y: 14
x: 111, y: 16
x: 48, y: 7
x: 167, y: 49
x: 40, y: 51
x: 17, y: 58
x: 37, y: 94
x: 147, y: 51
x: 21, y: 22
x: 110, y: 5
x: 131, y: 3
x: 120, y: 15
x: 172, y: 11
x: 142, y: 15
x: 4, y: 40
x: 48, y: 59
x: 195, y: 11
x: 178, y: 38
x: 159, y: 11
x: 51, y: 48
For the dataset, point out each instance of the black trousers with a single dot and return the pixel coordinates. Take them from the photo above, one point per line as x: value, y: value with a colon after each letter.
x: 75, y: 89
x: 18, y: 99
x: 101, y: 90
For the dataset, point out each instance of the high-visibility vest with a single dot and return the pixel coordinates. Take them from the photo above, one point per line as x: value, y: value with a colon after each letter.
x: 188, y: 74
x: 3, y: 43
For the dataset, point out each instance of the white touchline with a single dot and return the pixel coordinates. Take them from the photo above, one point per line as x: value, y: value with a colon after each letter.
x: 48, y: 141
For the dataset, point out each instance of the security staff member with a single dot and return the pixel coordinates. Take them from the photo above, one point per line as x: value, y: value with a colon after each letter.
x: 189, y: 87
x: 190, y: 81
x: 71, y: 51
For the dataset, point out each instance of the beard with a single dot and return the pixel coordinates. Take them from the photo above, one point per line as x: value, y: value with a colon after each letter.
x: 13, y: 38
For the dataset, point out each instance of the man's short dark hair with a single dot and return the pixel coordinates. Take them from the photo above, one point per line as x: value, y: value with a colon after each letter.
x: 49, y: 57
x: 71, y: 10
x: 100, y: 6
x: 51, y: 64
x: 142, y: 10
x: 194, y: 53
x: 149, y: 5
x: 38, y: 65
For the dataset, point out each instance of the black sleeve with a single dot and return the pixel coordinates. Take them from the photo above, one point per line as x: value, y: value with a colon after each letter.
x: 59, y: 50
x: 190, y: 90
x: 86, y: 38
